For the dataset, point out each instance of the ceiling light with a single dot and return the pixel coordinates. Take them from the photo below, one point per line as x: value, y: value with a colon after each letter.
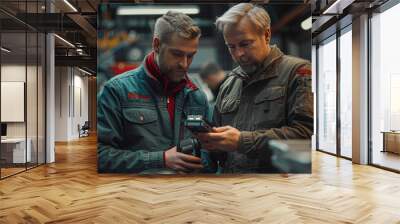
x: 155, y: 10
x: 306, y: 24
x: 70, y: 5
x: 5, y: 49
x: 65, y: 41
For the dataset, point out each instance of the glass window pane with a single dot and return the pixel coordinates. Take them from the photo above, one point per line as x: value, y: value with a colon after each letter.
x: 385, y: 89
x: 31, y: 97
x: 22, y: 62
x: 41, y: 98
x: 346, y: 94
x: 13, y: 87
x: 327, y: 96
x: 314, y: 75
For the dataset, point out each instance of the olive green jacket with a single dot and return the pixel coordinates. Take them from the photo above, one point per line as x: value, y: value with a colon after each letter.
x: 274, y: 103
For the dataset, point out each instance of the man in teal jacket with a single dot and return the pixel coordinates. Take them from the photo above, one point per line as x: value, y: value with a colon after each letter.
x: 140, y: 113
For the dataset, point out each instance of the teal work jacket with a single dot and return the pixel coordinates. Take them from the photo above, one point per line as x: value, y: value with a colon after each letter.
x: 133, y: 123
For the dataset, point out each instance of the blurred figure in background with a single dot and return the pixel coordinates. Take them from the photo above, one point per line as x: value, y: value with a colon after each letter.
x: 212, y: 74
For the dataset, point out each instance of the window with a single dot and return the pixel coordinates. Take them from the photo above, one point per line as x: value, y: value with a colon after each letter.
x: 385, y: 88
x: 346, y: 93
x: 327, y: 95
x: 22, y: 75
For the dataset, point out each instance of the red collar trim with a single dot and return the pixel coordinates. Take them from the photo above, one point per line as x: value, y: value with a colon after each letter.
x: 190, y: 84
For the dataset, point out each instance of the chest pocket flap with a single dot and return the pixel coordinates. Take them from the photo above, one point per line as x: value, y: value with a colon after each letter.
x: 139, y: 115
x: 270, y: 94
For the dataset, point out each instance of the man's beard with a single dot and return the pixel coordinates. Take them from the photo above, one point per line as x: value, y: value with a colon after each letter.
x: 173, y: 74
x: 249, y: 69
x: 178, y: 76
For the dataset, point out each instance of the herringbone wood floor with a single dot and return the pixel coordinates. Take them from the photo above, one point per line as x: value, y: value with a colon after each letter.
x: 71, y: 191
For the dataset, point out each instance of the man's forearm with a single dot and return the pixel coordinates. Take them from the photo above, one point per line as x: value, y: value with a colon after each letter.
x: 254, y: 143
x: 114, y: 160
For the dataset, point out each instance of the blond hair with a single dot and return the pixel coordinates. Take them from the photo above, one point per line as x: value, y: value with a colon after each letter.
x: 256, y: 14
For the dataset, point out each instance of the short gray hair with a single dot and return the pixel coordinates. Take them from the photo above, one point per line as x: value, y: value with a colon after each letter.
x: 256, y: 14
x: 175, y: 22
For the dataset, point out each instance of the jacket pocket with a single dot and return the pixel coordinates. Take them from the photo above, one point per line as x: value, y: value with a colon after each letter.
x: 141, y: 128
x: 271, y: 94
x: 140, y: 115
x: 269, y: 108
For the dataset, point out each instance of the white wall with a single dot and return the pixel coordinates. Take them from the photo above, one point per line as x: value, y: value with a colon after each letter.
x: 16, y: 72
x: 61, y: 103
x: 71, y: 94
x: 10, y: 73
x: 13, y: 72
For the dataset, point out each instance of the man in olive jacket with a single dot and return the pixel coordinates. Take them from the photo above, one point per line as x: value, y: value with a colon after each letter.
x: 268, y: 96
x: 140, y: 112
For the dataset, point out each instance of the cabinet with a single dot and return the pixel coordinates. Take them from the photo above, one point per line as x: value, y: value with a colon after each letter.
x: 391, y: 141
x: 13, y: 150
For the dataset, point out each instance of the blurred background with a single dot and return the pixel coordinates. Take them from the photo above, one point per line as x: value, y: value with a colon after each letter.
x: 125, y: 34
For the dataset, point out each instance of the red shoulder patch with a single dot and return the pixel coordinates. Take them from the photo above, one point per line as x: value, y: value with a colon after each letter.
x: 137, y: 96
x: 303, y: 71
